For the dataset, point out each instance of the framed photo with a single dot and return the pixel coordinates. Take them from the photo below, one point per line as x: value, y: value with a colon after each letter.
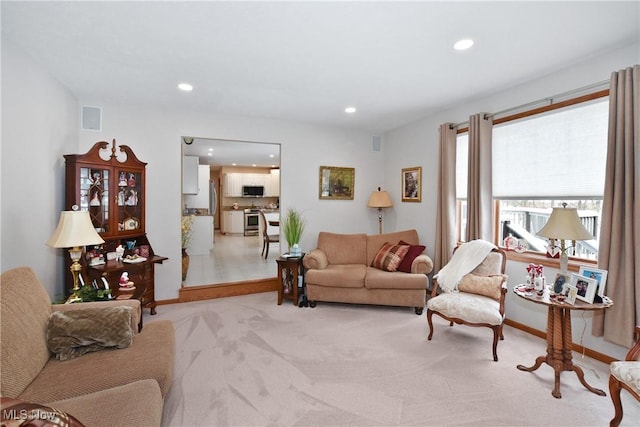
x: 412, y: 184
x: 336, y: 183
x: 572, y: 294
x: 599, y: 275
x: 586, y: 287
x: 559, y: 282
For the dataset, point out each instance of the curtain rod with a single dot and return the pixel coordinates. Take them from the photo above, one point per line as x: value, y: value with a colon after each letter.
x: 548, y: 99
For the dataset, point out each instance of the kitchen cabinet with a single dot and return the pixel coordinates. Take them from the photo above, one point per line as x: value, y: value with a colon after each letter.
x: 189, y: 174
x: 233, y: 185
x: 200, y: 200
x: 272, y: 183
x: 233, y: 222
x: 113, y: 192
x: 201, y: 236
x: 253, y: 179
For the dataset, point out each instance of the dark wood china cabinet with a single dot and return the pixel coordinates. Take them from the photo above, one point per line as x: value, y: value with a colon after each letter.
x: 109, y: 183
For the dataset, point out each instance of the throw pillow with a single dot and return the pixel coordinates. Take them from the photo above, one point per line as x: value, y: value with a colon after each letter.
x: 73, y: 333
x: 489, y: 286
x: 389, y: 256
x: 414, y: 251
x: 19, y: 413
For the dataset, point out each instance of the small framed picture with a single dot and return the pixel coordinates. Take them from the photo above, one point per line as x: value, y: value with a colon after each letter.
x: 599, y: 275
x: 337, y: 183
x: 586, y: 287
x: 559, y: 282
x: 572, y: 294
x: 412, y: 184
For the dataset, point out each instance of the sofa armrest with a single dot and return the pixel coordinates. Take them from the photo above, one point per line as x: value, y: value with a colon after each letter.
x: 422, y: 264
x: 136, y: 313
x: 315, y: 260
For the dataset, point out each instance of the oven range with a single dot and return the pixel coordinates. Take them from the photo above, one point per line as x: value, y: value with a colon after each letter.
x: 251, y: 222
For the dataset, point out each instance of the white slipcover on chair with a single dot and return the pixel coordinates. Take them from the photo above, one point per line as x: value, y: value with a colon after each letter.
x: 473, y: 286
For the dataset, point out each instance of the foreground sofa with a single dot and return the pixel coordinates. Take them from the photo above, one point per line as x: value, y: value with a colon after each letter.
x: 340, y: 270
x: 107, y: 387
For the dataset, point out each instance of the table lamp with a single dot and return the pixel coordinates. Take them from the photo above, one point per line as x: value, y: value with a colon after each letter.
x: 74, y: 231
x: 379, y: 199
x: 564, y: 224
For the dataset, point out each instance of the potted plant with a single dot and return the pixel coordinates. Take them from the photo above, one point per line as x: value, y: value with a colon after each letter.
x: 187, y: 222
x: 293, y: 226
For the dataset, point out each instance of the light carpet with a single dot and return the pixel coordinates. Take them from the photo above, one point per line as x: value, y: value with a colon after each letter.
x: 245, y: 361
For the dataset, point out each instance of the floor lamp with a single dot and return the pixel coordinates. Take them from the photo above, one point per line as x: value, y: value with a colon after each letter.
x: 74, y: 231
x: 564, y: 224
x: 379, y: 199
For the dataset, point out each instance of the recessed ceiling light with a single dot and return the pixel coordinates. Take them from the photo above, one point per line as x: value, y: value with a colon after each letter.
x: 254, y: 165
x: 210, y: 149
x: 233, y: 164
x: 463, y: 44
x: 350, y: 110
x: 272, y: 155
x: 185, y: 87
x: 210, y: 153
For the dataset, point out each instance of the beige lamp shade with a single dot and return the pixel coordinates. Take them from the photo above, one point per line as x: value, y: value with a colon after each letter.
x: 74, y: 229
x: 379, y: 199
x: 564, y: 224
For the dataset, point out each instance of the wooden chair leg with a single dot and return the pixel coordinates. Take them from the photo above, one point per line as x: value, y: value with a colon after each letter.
x: 430, y: 322
x: 614, y: 392
x: 496, y: 337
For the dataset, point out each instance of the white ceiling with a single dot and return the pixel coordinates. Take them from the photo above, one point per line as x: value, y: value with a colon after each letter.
x: 307, y: 61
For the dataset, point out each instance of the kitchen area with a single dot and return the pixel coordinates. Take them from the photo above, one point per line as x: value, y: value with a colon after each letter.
x: 225, y: 203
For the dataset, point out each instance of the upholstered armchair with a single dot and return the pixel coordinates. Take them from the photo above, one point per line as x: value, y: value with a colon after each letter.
x: 470, y: 290
x: 625, y: 375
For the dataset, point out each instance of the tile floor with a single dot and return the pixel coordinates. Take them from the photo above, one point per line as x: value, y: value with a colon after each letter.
x: 233, y: 258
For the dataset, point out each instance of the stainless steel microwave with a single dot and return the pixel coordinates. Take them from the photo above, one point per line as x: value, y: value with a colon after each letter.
x: 252, y: 191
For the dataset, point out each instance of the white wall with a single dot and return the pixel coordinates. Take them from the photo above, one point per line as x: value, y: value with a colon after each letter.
x: 40, y: 119
x: 419, y: 140
x: 154, y: 136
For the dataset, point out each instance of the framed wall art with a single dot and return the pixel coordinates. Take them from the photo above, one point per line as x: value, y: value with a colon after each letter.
x: 586, y: 287
x: 599, y: 275
x: 336, y: 183
x: 412, y: 184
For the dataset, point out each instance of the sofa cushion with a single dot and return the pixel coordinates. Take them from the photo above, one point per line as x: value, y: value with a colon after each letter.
x: 489, y: 286
x: 407, y: 261
x: 74, y: 333
x: 470, y: 307
x: 25, y: 308
x: 149, y: 357
x: 343, y: 248
x: 338, y: 275
x: 389, y: 256
x: 135, y: 404
x: 379, y: 279
x: 17, y: 412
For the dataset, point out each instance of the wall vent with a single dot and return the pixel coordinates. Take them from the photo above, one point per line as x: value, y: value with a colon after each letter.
x: 376, y: 143
x: 91, y: 118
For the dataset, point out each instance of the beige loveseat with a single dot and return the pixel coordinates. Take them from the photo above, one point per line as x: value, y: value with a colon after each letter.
x: 340, y: 270
x: 109, y: 387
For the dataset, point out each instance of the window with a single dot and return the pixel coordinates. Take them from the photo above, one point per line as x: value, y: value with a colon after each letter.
x: 541, y: 161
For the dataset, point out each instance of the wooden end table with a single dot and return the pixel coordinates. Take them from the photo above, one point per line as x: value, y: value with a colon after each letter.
x: 289, y: 268
x: 559, y: 344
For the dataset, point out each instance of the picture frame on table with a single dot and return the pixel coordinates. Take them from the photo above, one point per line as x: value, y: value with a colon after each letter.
x: 598, y: 274
x: 571, y: 294
x: 412, y: 184
x: 559, y: 282
x: 336, y: 183
x: 586, y: 287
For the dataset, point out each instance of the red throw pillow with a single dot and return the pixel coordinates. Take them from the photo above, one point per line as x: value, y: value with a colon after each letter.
x: 414, y: 251
x: 389, y: 256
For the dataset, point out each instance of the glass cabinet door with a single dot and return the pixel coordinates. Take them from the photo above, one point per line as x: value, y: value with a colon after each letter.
x: 129, y: 200
x: 94, y: 196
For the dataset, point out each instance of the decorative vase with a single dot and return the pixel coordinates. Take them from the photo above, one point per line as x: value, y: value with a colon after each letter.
x: 185, y: 264
x: 295, y: 250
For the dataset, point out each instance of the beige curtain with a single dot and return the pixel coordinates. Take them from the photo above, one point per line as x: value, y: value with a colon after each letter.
x: 479, y: 181
x: 619, y: 251
x: 446, y: 211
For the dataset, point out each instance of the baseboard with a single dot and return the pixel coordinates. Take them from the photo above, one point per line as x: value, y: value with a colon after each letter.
x: 576, y: 347
x: 199, y: 293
